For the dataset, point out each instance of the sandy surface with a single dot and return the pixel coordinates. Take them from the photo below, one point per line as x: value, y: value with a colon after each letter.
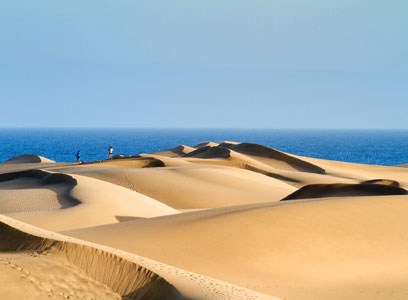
x: 28, y: 159
x: 213, y: 221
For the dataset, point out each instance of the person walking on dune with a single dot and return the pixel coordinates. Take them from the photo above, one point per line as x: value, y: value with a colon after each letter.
x: 110, y: 151
x: 78, y: 156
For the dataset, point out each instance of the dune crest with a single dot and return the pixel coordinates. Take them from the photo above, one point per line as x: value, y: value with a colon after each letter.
x: 344, y: 190
x: 383, y: 182
x: 175, y: 152
x: 134, y: 162
x: 123, y: 277
x: 96, y: 271
x: 254, y: 157
x: 27, y: 159
x: 209, y: 152
x: 262, y: 152
x: 203, y: 144
x: 36, y: 190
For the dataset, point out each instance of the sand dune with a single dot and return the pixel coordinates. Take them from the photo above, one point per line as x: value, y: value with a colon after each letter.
x: 213, y: 212
x: 209, y: 152
x: 83, y: 201
x: 174, y: 152
x: 134, y: 162
x: 266, y: 155
x: 327, y: 249
x: 204, y: 144
x: 28, y: 158
x: 382, y: 181
x: 344, y: 190
x: 280, y: 169
x: 254, y: 152
x: 81, y: 270
x: 35, y: 190
x: 70, y: 273
x: 195, y: 186
x: 361, y: 172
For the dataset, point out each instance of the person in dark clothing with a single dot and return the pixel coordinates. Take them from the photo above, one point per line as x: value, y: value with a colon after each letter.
x: 78, y: 156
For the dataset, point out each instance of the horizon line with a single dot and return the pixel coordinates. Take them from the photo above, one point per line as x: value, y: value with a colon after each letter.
x: 198, y: 128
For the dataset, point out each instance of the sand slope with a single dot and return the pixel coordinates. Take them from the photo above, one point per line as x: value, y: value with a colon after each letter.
x: 338, y: 249
x: 278, y: 158
x: 81, y: 270
x: 266, y: 161
x: 35, y: 190
x: 28, y: 158
x: 215, y: 210
x: 88, y: 201
x: 175, y: 152
x: 361, y: 172
x: 193, y: 186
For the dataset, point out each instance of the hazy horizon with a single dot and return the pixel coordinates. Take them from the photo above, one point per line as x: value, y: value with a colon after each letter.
x: 204, y: 128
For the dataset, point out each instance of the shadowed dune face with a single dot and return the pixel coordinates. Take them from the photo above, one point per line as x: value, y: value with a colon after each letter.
x: 59, y: 201
x: 35, y: 190
x: 209, y: 152
x: 45, y: 177
x: 132, y: 162
x: 258, y: 151
x: 28, y: 158
x: 344, y: 190
x: 180, y: 150
x: 93, y: 272
x: 383, y: 182
x: 256, y: 158
x: 270, y: 174
x: 203, y: 144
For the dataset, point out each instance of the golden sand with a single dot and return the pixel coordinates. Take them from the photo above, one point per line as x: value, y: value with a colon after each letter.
x: 214, y: 221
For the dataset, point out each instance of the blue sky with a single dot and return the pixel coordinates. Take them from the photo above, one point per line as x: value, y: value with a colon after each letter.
x: 244, y: 64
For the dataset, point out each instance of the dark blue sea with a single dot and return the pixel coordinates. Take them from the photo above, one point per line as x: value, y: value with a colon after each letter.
x: 381, y: 147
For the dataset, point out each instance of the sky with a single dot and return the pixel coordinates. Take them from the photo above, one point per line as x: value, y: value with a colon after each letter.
x: 204, y: 64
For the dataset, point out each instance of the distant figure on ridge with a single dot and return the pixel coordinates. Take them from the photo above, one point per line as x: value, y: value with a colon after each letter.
x: 78, y: 156
x: 110, y: 150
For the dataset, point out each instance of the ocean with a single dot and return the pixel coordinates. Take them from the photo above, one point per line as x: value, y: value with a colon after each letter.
x: 380, y: 147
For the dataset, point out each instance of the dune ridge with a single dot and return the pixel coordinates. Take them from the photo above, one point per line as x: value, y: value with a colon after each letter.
x: 344, y: 190
x: 256, y: 151
x: 129, y: 275
x: 133, y: 162
x: 85, y: 197
x: 209, y: 152
x: 176, y: 151
x: 124, y: 277
x: 259, y: 159
x: 32, y: 191
x: 207, y: 143
x: 194, y: 186
x: 28, y: 158
x: 44, y: 176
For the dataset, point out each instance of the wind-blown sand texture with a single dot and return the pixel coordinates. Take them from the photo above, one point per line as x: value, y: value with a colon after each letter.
x: 214, y: 221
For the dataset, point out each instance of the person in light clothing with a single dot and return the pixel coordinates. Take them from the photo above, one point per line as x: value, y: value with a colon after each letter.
x: 110, y: 151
